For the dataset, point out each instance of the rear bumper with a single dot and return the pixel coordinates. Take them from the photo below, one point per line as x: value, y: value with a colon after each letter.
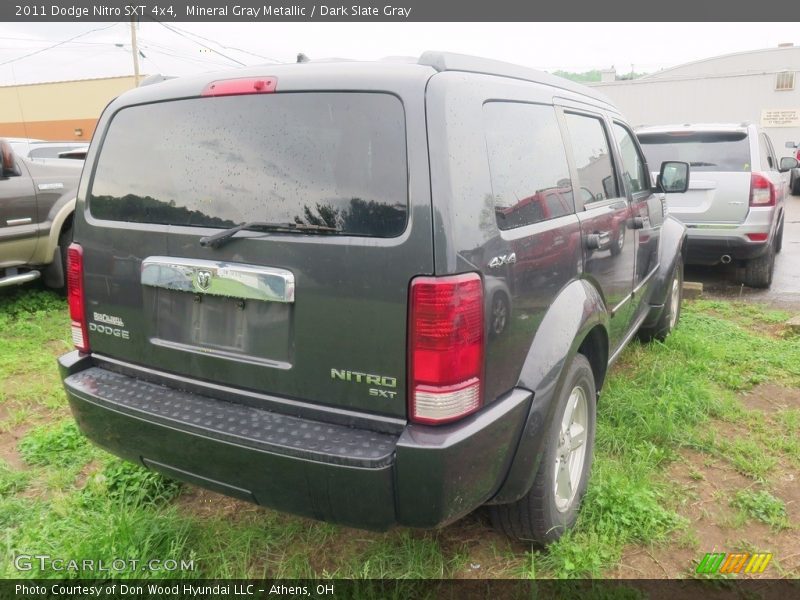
x: 420, y: 477
x: 707, y: 243
x: 702, y: 250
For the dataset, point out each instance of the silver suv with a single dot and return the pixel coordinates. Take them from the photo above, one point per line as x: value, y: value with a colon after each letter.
x: 734, y: 208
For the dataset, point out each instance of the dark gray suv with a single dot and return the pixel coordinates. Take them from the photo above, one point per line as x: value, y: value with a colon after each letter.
x: 369, y: 293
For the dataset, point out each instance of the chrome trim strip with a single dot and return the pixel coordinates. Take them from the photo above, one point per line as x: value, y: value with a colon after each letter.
x: 622, y: 302
x: 646, y: 279
x: 22, y: 221
x: 231, y: 280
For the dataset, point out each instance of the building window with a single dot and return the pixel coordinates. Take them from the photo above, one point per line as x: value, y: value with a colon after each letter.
x: 784, y: 81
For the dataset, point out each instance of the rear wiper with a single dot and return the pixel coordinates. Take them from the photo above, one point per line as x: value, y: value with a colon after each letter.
x: 218, y: 239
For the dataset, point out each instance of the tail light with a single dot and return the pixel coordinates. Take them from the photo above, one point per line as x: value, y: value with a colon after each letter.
x: 762, y: 192
x: 445, y: 348
x: 757, y: 237
x: 77, y: 312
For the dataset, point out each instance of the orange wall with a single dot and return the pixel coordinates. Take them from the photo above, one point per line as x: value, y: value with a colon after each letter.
x: 50, y: 130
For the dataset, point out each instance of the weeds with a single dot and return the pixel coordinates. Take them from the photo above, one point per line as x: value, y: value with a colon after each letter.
x: 763, y: 507
x: 61, y: 445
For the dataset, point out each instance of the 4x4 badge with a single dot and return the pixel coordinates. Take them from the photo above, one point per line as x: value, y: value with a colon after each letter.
x: 203, y: 279
x: 506, y: 259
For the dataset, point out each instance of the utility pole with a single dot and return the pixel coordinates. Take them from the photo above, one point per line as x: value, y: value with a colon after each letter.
x: 135, y: 49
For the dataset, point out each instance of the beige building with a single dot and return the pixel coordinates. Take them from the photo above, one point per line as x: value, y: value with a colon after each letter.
x: 63, y: 110
x: 760, y: 86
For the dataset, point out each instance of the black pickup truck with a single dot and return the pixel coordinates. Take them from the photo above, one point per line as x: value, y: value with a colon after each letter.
x: 37, y: 201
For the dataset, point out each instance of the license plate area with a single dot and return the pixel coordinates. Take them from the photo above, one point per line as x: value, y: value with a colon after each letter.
x: 229, y: 328
x: 230, y: 311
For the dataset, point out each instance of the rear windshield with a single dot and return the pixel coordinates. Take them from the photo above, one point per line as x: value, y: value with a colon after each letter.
x: 333, y: 159
x: 704, y: 151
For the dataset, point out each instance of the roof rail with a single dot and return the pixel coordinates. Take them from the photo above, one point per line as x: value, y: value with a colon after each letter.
x: 157, y: 78
x: 449, y: 61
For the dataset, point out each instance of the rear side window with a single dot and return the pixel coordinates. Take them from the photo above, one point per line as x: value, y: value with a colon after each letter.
x: 592, y: 156
x: 527, y: 164
x: 703, y: 150
x: 335, y: 159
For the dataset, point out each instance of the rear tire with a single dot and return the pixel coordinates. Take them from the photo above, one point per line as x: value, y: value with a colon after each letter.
x: 671, y: 313
x: 551, y: 506
x: 758, y: 271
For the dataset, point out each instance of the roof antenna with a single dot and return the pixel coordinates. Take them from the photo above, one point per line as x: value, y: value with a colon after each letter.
x: 302, y: 58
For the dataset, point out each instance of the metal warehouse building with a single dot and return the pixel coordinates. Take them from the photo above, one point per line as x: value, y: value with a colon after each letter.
x: 760, y: 86
x: 64, y: 110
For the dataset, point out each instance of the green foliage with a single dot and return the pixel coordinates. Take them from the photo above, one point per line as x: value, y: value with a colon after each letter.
x: 11, y: 481
x: 762, y: 506
x: 594, y: 76
x: 130, y: 484
x: 58, y: 445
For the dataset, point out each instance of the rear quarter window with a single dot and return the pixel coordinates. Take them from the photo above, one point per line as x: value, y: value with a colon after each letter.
x: 527, y: 164
x: 334, y: 159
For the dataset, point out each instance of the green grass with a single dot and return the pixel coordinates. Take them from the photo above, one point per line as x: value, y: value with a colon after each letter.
x: 34, y: 326
x: 59, y: 445
x: 11, y: 481
x: 73, y: 500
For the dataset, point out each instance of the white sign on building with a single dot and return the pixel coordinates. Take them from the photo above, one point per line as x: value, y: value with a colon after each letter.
x: 787, y: 117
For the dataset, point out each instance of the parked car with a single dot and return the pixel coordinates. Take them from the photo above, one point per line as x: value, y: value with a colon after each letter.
x: 288, y: 285
x: 37, y: 200
x: 794, y: 183
x: 40, y: 149
x: 734, y: 209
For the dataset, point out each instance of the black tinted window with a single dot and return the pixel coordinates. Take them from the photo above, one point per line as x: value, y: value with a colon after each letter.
x: 592, y: 157
x: 527, y: 163
x: 336, y: 159
x: 704, y: 151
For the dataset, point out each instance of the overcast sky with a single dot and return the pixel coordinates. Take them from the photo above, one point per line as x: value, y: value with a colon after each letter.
x: 104, y: 49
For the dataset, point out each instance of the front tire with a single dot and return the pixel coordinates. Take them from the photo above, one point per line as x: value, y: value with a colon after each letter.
x: 551, y: 506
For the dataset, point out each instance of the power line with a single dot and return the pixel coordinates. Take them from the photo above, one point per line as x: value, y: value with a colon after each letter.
x: 151, y: 48
x: 56, y: 45
x: 175, y: 31
x: 227, y: 47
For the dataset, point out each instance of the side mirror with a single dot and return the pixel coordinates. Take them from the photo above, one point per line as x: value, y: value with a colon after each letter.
x: 788, y: 163
x: 791, y: 145
x: 10, y: 168
x: 673, y: 177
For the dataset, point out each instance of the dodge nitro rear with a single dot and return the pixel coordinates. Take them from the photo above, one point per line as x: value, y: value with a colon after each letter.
x: 299, y: 286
